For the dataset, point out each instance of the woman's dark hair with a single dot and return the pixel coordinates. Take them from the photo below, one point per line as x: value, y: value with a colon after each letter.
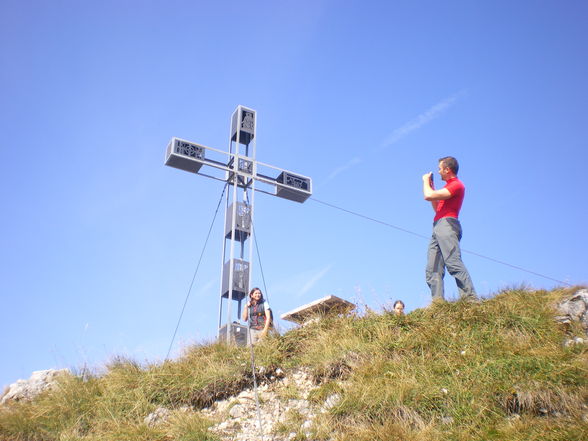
x: 256, y: 289
x: 397, y: 302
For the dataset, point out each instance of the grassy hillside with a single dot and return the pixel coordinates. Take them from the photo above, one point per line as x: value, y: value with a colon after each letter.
x: 454, y: 371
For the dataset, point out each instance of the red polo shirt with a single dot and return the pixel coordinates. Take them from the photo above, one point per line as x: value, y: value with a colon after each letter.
x: 450, y: 207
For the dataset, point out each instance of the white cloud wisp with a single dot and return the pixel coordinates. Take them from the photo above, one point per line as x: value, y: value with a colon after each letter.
x: 314, y: 279
x: 422, y: 119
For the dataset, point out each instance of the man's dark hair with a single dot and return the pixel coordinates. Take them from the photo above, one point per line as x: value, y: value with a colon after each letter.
x: 451, y: 163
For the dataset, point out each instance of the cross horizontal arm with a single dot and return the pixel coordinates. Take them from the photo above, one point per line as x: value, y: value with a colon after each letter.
x: 189, y: 156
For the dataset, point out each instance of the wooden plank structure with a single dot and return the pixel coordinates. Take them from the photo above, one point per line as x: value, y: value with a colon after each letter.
x: 326, y: 305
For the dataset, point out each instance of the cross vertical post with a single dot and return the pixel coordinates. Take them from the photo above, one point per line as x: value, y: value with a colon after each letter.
x: 238, y: 220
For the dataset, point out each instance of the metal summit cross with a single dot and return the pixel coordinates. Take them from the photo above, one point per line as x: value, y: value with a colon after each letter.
x: 241, y: 171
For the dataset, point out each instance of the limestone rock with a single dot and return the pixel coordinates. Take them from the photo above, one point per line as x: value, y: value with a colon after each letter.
x: 159, y: 416
x: 236, y: 411
x: 447, y: 420
x: 574, y: 308
x: 575, y: 341
x: 28, y: 389
x: 331, y: 402
x: 238, y: 415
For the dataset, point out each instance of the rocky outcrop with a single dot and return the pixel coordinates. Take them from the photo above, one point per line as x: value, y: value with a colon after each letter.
x: 285, y: 410
x: 284, y: 399
x: 162, y: 415
x: 28, y: 389
x: 574, y: 309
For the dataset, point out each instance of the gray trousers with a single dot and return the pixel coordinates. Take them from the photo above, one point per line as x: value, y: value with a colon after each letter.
x: 444, y: 253
x: 254, y: 336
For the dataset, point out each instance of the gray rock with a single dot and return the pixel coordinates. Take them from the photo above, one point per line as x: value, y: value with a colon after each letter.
x: 574, y: 308
x: 28, y: 389
x: 242, y: 424
x: 575, y: 341
x: 236, y: 411
x: 247, y: 395
x: 157, y: 417
x: 331, y: 401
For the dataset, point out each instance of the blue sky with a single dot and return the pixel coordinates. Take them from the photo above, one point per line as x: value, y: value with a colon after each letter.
x: 99, y: 240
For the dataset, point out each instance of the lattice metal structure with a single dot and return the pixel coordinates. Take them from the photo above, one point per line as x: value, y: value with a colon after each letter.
x: 245, y: 175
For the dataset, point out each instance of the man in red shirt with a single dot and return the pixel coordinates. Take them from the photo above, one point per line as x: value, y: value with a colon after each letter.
x: 444, y: 251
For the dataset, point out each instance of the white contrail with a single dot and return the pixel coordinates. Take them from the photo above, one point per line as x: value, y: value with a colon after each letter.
x: 314, y: 279
x: 414, y: 124
x: 342, y: 168
x: 418, y: 122
x: 207, y: 286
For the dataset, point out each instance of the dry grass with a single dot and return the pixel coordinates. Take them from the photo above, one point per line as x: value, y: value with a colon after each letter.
x: 453, y: 371
x: 536, y: 400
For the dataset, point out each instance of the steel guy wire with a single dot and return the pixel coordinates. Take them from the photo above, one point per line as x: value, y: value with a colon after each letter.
x: 196, y: 272
x: 428, y: 237
x: 259, y: 260
x: 255, y: 391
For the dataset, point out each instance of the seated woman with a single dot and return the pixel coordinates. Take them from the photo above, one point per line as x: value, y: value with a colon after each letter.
x: 258, y: 315
x: 398, y: 307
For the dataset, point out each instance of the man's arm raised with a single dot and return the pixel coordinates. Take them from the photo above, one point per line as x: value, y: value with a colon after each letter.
x: 432, y: 195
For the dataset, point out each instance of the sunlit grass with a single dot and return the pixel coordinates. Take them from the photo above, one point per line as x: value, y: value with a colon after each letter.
x: 454, y: 371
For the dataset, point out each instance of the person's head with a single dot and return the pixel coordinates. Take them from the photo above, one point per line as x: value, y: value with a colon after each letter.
x: 448, y: 167
x: 255, y: 295
x: 398, y: 307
